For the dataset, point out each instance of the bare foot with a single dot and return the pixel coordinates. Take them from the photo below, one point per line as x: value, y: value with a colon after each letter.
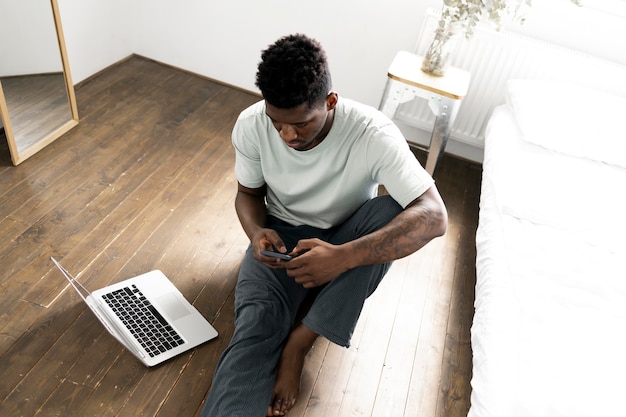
x: 289, y: 372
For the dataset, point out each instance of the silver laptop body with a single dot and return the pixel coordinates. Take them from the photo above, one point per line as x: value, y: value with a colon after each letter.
x: 147, y: 314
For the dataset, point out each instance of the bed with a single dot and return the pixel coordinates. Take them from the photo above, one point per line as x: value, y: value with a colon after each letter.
x: 549, y: 331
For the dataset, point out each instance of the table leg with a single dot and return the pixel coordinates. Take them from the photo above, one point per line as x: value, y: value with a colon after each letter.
x: 448, y: 109
x: 389, y: 102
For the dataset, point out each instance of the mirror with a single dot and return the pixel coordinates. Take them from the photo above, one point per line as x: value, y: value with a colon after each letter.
x: 37, y: 101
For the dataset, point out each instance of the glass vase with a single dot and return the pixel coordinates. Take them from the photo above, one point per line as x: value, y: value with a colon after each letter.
x: 436, y: 58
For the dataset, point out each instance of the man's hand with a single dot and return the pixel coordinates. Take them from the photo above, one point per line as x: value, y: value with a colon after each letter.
x: 268, y: 239
x: 322, y: 262
x: 252, y: 213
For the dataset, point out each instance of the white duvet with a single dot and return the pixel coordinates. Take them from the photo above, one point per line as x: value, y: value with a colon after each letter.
x: 549, y: 331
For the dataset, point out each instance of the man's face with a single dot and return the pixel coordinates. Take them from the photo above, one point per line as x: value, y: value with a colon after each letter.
x: 302, y: 128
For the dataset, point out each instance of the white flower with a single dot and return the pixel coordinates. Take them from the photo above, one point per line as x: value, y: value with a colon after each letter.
x: 465, y: 15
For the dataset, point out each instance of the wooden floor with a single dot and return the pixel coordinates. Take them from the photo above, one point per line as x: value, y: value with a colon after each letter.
x: 146, y: 182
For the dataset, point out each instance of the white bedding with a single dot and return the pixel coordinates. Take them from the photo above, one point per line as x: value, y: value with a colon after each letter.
x: 549, y: 331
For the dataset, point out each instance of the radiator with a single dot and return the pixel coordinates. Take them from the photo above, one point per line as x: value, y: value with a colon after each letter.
x: 493, y: 57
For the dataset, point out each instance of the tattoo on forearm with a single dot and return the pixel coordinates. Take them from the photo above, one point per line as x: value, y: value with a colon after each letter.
x: 405, y: 234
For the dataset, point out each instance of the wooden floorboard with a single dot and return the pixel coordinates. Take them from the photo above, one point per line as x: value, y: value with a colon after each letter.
x: 146, y: 181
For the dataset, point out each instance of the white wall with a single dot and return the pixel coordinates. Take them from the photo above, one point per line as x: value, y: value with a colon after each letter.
x: 28, y: 37
x: 98, y: 33
x: 586, y: 29
x: 223, y: 39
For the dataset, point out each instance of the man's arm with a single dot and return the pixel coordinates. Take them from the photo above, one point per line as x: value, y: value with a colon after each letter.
x: 421, y: 221
x: 250, y: 207
x: 252, y: 213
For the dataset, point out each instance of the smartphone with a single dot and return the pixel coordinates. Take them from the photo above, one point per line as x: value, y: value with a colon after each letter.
x: 278, y: 255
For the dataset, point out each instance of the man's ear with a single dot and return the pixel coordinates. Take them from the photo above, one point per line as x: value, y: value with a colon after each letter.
x: 331, y: 100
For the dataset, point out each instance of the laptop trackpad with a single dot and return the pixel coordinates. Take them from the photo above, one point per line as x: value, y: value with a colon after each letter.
x: 172, y: 306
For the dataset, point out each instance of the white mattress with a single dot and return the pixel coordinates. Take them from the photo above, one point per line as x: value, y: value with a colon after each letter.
x: 549, y: 331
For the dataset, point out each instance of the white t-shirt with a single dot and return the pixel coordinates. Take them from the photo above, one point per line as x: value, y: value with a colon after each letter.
x: 323, y: 186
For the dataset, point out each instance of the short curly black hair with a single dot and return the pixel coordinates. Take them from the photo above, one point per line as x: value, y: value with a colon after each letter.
x: 294, y: 70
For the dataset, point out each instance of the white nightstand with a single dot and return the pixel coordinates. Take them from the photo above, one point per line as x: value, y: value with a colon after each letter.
x: 406, y: 81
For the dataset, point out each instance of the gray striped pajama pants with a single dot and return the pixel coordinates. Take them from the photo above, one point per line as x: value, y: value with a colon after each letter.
x: 266, y: 303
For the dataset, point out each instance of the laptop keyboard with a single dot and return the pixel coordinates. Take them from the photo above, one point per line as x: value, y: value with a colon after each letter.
x: 146, y: 324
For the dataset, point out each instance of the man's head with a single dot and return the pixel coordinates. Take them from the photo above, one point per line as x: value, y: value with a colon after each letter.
x: 295, y: 82
x: 294, y: 71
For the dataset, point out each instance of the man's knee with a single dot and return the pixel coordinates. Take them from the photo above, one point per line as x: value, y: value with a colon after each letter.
x: 371, y: 216
x: 260, y: 316
x: 382, y: 209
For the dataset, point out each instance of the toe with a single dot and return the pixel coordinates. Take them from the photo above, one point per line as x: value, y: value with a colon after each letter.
x: 279, y: 407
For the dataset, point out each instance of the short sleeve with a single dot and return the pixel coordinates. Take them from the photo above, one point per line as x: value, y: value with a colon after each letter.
x: 396, y: 167
x: 248, y: 168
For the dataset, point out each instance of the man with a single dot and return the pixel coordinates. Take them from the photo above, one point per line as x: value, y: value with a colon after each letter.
x: 308, y: 165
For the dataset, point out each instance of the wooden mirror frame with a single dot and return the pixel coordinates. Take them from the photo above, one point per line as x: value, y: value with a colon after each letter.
x: 48, y: 137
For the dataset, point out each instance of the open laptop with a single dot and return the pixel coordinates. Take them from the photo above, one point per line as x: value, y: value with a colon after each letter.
x: 147, y: 314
